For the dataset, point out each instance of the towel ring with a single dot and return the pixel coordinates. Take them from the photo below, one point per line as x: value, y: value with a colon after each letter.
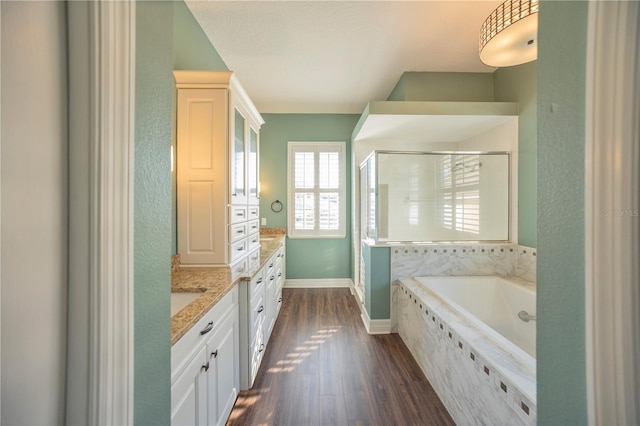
x: 276, y: 206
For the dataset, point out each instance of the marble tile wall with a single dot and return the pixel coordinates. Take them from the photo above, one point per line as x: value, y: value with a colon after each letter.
x: 468, y: 383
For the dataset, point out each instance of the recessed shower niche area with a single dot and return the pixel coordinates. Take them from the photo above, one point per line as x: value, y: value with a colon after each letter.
x: 436, y: 226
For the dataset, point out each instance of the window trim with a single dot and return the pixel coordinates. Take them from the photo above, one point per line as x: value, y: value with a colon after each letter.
x: 316, y: 146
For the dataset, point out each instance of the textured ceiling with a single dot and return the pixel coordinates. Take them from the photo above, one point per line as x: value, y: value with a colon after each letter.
x: 335, y: 56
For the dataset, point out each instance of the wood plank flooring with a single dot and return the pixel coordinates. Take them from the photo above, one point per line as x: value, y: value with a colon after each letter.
x: 322, y: 368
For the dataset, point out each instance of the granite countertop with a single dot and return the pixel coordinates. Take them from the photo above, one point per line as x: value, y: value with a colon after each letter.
x: 213, y: 283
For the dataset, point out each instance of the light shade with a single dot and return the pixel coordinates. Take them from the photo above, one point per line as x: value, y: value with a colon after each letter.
x: 509, y: 35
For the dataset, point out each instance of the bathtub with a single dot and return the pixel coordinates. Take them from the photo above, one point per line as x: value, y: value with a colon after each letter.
x: 465, y: 334
x: 495, y: 301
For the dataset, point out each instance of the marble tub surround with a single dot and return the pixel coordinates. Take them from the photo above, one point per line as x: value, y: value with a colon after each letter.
x: 459, y: 259
x: 213, y: 283
x: 422, y: 260
x: 479, y: 380
x: 526, y: 263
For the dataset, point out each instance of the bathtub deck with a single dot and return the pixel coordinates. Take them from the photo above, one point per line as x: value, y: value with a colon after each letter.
x: 321, y: 367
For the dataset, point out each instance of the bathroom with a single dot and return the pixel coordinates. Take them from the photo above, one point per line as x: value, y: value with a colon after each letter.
x: 552, y: 139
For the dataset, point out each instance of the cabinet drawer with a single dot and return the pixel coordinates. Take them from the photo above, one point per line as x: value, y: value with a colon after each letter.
x: 237, y: 232
x: 256, y: 285
x: 254, y: 242
x: 254, y: 227
x: 239, y: 269
x: 268, y: 267
x: 192, y: 341
x: 237, y: 214
x: 279, y: 274
x: 254, y: 260
x: 254, y: 212
x: 238, y: 250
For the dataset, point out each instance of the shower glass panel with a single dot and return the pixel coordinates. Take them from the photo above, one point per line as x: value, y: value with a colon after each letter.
x: 421, y: 197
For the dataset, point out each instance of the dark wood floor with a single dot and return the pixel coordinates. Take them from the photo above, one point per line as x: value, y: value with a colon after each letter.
x: 322, y: 368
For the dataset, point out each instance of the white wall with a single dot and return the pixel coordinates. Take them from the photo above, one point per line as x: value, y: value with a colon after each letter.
x: 34, y: 212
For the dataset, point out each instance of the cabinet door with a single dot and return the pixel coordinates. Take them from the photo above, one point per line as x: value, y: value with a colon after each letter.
x: 253, y: 173
x: 201, y: 175
x: 223, y: 377
x: 189, y: 393
x: 238, y: 146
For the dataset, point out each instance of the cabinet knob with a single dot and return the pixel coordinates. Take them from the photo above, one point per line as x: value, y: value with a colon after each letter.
x: 205, y: 367
x: 261, y: 308
x: 214, y: 354
x: 207, y: 329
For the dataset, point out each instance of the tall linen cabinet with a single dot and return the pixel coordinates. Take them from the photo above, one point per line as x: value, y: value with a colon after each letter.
x: 218, y: 130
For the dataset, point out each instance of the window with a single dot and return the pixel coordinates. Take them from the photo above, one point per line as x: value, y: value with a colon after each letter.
x: 316, y: 190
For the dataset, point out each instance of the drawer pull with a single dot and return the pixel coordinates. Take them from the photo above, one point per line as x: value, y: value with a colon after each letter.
x: 271, y: 278
x: 279, y: 274
x: 207, y: 329
x: 271, y: 265
x: 240, y: 214
x: 205, y: 367
x: 240, y: 231
x: 279, y: 299
x: 261, y: 348
x: 214, y: 354
x: 240, y: 249
x: 261, y: 308
x: 259, y: 281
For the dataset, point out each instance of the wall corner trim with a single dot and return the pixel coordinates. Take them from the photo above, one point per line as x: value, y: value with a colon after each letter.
x: 102, y: 86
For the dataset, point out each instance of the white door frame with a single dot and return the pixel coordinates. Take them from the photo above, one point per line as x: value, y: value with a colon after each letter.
x: 612, y: 237
x: 100, y: 373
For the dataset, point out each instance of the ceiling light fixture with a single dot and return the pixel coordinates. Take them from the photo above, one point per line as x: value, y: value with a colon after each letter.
x: 509, y: 35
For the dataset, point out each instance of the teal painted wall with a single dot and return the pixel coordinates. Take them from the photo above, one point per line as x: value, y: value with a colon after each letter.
x: 444, y: 86
x: 306, y: 258
x: 192, y: 50
x: 152, y: 212
x: 518, y: 84
x: 561, y: 152
x: 397, y: 94
x: 167, y: 38
x: 377, y: 276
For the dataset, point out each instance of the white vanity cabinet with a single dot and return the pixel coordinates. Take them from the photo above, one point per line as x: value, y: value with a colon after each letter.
x: 217, y: 169
x: 260, y: 300
x: 205, y: 370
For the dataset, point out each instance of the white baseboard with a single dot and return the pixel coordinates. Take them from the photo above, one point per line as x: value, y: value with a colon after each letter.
x: 382, y: 326
x: 319, y: 283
